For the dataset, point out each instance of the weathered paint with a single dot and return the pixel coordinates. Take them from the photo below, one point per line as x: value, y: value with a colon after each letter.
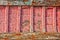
x: 50, y: 20
x: 37, y: 18
x: 58, y: 19
x: 16, y: 19
x: 3, y: 19
x: 25, y: 13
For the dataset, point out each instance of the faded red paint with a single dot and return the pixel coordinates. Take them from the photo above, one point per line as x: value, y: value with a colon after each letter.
x: 25, y: 19
x: 3, y: 19
x: 38, y: 18
x: 15, y: 19
x: 49, y: 20
x: 58, y: 19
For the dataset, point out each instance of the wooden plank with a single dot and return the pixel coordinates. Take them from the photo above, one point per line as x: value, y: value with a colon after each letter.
x: 37, y: 18
x: 54, y: 19
x: 58, y: 19
x: 50, y: 20
x: 31, y: 20
x: 14, y: 19
x: 3, y: 19
x: 43, y: 19
x: 25, y: 19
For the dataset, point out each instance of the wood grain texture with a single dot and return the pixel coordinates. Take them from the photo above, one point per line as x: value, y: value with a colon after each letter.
x: 17, y: 19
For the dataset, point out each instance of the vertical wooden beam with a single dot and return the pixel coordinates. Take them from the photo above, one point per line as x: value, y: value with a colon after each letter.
x: 49, y: 19
x: 14, y: 19
x: 19, y: 17
x: 31, y: 19
x: 3, y: 19
x: 25, y: 19
x: 43, y: 20
x: 54, y: 19
x: 38, y: 19
x: 5, y: 28
x: 58, y: 19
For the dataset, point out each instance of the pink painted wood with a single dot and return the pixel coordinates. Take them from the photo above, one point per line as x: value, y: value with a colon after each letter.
x: 50, y: 21
x: 38, y: 18
x: 25, y: 19
x: 29, y: 19
x: 3, y: 19
x: 58, y: 19
x: 14, y: 19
